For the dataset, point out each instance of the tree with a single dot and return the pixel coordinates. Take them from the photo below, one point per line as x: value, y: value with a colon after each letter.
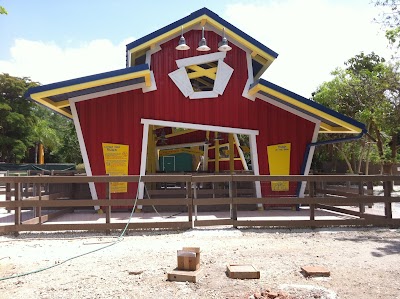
x: 16, y: 118
x: 69, y: 151
x: 368, y: 90
x: 3, y: 11
x: 390, y: 19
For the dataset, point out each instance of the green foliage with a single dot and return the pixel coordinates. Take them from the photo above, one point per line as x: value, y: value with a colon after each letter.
x: 3, y: 11
x: 24, y: 125
x: 390, y: 19
x: 368, y: 90
x: 16, y: 118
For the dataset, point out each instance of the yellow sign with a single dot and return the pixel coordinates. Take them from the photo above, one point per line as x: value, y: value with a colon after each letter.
x: 279, y: 164
x: 116, y: 158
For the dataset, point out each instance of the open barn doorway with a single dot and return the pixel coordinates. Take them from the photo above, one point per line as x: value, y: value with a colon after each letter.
x: 175, y: 147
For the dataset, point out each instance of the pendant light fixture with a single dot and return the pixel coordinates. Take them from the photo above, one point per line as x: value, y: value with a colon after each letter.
x: 203, y: 43
x: 223, y: 45
x: 182, y: 46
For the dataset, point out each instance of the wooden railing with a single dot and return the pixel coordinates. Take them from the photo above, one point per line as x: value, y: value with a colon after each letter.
x: 319, y: 196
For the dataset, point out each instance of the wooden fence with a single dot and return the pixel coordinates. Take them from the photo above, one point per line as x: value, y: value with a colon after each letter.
x: 33, y: 193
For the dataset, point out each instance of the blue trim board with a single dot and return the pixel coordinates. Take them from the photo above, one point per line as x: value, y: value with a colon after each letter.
x: 310, y: 103
x: 192, y: 16
x: 115, y: 73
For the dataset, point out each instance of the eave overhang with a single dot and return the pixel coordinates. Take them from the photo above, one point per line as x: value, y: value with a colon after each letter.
x: 259, y: 52
x: 56, y: 95
x: 331, y: 121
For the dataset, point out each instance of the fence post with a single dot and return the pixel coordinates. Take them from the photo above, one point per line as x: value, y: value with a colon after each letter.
x: 195, y: 197
x: 312, y: 194
x: 361, y: 193
x: 190, y: 202
x: 17, y: 196
x: 233, y: 194
x: 387, y: 195
x: 108, y: 208
x: 8, y: 194
x: 39, y: 194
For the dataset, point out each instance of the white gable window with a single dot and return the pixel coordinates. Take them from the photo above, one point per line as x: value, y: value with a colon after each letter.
x: 202, y: 77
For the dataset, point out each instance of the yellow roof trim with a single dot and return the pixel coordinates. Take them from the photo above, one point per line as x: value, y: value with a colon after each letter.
x: 213, y: 23
x: 259, y: 87
x: 61, y: 104
x: 105, y: 81
x: 330, y: 129
x: 50, y: 104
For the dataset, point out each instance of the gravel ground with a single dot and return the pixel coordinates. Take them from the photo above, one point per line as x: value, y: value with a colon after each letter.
x: 364, y: 263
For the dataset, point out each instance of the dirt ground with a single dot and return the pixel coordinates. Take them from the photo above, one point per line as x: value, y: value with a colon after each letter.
x: 364, y: 263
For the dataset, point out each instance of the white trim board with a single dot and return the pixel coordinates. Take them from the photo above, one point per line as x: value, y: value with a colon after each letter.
x: 106, y: 92
x: 173, y: 124
x: 309, y: 159
x: 82, y: 146
x: 287, y: 108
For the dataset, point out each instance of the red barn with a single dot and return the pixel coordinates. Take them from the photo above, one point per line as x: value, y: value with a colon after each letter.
x: 193, y: 87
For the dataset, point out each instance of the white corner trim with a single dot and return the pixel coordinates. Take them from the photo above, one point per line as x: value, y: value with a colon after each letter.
x: 106, y: 92
x: 82, y: 146
x: 198, y: 127
x: 309, y: 159
x: 153, y: 84
x: 287, y: 108
x: 200, y: 59
x: 143, y: 161
x: 250, y: 79
x: 151, y: 52
x: 254, y: 162
x: 245, y: 92
x: 203, y: 95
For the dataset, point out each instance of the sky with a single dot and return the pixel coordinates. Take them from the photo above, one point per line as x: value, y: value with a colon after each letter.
x: 51, y: 41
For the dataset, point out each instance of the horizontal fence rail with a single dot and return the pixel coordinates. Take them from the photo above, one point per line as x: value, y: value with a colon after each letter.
x: 49, y: 197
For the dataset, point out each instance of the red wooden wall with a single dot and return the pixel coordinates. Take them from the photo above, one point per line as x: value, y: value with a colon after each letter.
x: 116, y: 118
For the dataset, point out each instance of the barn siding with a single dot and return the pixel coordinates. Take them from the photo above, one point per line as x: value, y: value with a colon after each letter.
x: 116, y: 118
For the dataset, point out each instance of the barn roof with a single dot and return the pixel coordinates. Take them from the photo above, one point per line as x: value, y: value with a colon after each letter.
x: 56, y: 95
x: 262, y: 56
x: 331, y: 121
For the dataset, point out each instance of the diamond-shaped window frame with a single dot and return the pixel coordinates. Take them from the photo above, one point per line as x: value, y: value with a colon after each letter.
x: 181, y: 79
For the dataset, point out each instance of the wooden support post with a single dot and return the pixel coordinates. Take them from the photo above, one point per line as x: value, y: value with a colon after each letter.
x: 195, y: 197
x: 216, y: 153
x: 312, y: 194
x: 17, y: 198
x: 108, y: 208
x: 8, y: 194
x: 387, y: 194
x: 190, y: 201
x: 38, y: 210
x: 361, y: 193
x: 231, y: 154
x: 233, y: 193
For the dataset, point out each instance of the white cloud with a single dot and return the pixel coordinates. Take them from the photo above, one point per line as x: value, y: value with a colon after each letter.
x: 46, y: 62
x: 311, y: 37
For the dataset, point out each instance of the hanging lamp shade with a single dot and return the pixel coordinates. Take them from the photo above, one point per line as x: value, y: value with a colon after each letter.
x: 223, y: 45
x: 182, y: 46
x: 203, y: 43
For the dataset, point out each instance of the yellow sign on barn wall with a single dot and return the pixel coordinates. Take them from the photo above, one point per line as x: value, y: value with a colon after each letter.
x: 279, y: 164
x: 116, y: 163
